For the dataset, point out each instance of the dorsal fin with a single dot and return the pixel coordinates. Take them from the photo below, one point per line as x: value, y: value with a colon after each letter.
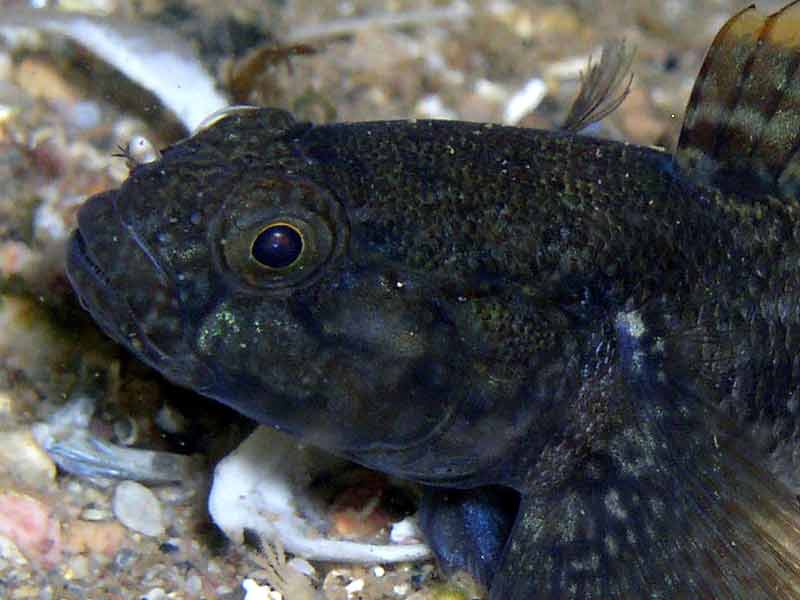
x: 742, y: 124
x: 604, y: 86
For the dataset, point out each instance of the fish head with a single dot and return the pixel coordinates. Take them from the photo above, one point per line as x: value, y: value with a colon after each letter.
x: 226, y: 269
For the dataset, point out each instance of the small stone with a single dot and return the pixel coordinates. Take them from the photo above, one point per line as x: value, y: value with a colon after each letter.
x: 155, y: 594
x: 98, y: 538
x: 23, y: 459
x: 95, y: 514
x: 432, y: 107
x: 6, y: 66
x: 6, y: 404
x: 302, y: 566
x: 17, y: 258
x: 138, y: 509
x: 405, y: 532
x: 125, y: 430
x: 524, y: 101
x: 254, y: 591
x: 337, y: 581
x: 10, y: 554
x: 124, y: 559
x: 28, y: 523
x: 170, y: 420
x: 170, y: 546
x: 25, y: 592
x: 355, y: 586
x: 194, y: 585
x: 78, y: 568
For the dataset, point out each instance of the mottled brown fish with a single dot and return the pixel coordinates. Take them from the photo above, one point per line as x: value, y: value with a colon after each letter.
x: 589, y: 352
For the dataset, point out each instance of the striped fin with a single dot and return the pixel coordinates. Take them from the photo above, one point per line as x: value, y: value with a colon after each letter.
x: 742, y: 125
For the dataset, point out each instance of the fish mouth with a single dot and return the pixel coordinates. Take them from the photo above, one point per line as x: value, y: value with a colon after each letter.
x: 120, y: 283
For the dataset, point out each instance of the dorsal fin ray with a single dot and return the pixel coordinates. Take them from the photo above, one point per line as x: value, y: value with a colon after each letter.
x: 742, y: 125
x: 604, y: 86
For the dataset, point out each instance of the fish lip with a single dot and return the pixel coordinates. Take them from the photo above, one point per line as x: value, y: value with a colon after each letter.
x: 81, y: 264
x: 80, y: 259
x: 109, y: 307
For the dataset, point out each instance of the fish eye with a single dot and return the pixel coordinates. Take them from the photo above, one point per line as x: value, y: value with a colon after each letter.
x: 276, y: 233
x: 278, y: 246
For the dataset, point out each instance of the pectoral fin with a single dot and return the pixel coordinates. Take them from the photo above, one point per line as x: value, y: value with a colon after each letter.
x: 666, y: 505
x: 670, y: 508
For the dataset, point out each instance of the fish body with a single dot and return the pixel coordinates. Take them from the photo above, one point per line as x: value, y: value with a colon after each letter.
x: 575, y: 343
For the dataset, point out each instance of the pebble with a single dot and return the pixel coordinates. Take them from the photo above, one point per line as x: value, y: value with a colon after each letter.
x: 103, y: 538
x: 95, y: 514
x: 27, y: 522
x: 155, y: 594
x: 17, y: 258
x: 77, y: 568
x: 10, y: 554
x: 301, y: 565
x: 194, y: 585
x: 254, y: 591
x: 138, y: 509
x: 491, y: 91
x: 7, y: 405
x: 405, y: 532
x: 432, y: 107
x: 524, y: 101
x: 23, y: 459
x: 168, y: 419
x: 355, y: 586
x: 6, y: 66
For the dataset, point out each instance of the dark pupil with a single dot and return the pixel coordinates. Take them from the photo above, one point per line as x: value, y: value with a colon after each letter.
x: 277, y: 246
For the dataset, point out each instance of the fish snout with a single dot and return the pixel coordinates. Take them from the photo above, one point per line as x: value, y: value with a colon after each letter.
x: 121, y: 281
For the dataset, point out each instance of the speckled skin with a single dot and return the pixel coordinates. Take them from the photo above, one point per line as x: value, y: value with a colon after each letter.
x: 568, y: 317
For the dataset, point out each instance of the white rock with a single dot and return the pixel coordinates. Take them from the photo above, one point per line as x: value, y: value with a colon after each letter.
x: 138, y: 509
x: 405, y: 532
x: 355, y: 586
x: 432, y: 107
x: 524, y: 101
x: 23, y: 459
x: 144, y: 52
x: 491, y: 91
x: 254, y: 591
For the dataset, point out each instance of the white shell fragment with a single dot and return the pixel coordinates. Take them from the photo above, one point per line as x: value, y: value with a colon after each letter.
x: 143, y: 52
x: 258, y: 487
